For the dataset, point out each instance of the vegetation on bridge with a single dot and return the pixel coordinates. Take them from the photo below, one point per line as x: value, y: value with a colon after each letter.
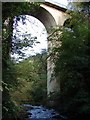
x: 72, y: 64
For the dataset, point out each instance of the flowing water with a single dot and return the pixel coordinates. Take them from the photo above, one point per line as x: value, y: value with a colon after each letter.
x: 42, y: 113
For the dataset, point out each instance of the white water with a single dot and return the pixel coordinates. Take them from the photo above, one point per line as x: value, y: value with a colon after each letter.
x: 42, y: 113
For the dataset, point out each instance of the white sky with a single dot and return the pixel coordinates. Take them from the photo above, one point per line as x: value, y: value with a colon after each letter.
x: 62, y: 3
x: 34, y: 27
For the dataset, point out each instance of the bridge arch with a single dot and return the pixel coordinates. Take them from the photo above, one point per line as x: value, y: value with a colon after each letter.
x: 50, y: 17
x: 46, y: 18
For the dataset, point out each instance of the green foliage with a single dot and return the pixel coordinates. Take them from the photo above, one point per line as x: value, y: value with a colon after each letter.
x: 31, y: 77
x: 9, y: 12
x: 9, y: 73
x: 72, y: 65
x: 11, y: 9
x: 9, y: 82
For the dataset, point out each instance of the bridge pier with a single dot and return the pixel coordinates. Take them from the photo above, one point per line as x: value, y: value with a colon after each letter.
x: 51, y: 16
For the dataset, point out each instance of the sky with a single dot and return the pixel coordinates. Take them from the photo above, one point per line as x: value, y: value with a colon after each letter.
x: 62, y: 3
x: 34, y: 27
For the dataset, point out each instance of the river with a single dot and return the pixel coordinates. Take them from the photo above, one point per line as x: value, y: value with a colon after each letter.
x: 42, y: 113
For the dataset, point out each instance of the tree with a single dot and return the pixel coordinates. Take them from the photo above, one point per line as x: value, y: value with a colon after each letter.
x: 72, y: 64
x: 31, y: 77
x: 9, y: 10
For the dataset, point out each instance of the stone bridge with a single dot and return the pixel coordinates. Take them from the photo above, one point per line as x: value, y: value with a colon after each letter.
x: 51, y: 15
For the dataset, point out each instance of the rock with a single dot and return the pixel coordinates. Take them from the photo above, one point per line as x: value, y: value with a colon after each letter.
x: 38, y: 112
x: 56, y: 116
x: 29, y: 113
x: 53, y: 113
x: 44, y: 110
